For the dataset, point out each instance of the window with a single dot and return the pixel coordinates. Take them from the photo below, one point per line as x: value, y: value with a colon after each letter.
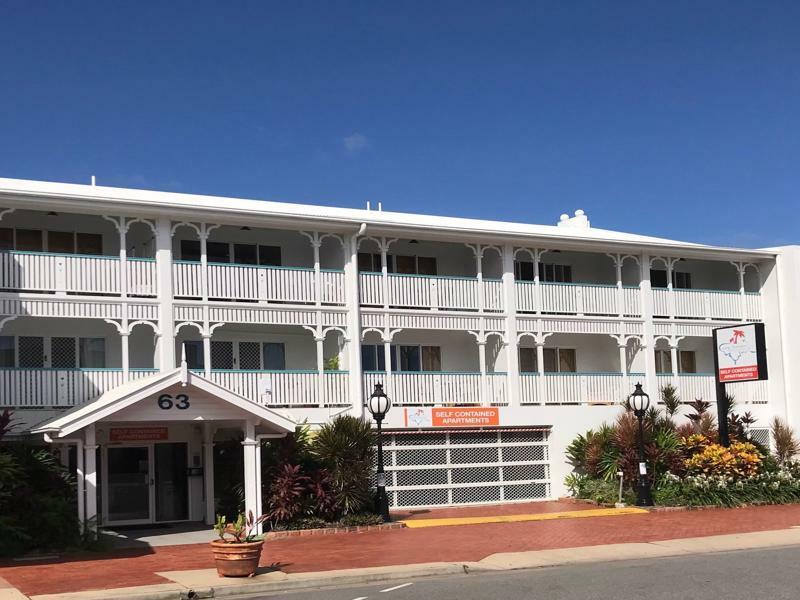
x: 523, y: 270
x: 556, y: 360
x: 555, y: 273
x: 419, y: 358
x: 62, y: 242
x: 245, y: 254
x: 406, y: 265
x: 426, y: 265
x: 527, y: 360
x: 680, y: 280
x: 29, y: 240
x: 6, y: 239
x: 92, y: 353
x: 687, y: 361
x: 6, y: 351
x: 218, y: 252
x: 194, y: 354
x: 89, y: 243
x: 190, y: 250
x: 371, y: 263
x: 372, y: 358
x: 269, y: 256
x: 415, y: 265
x: 274, y: 356
x: 62, y: 353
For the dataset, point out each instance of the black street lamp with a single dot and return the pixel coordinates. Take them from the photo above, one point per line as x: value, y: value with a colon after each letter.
x: 640, y: 402
x: 379, y: 404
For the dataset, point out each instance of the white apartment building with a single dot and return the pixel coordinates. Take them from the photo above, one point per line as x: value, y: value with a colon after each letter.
x: 138, y: 327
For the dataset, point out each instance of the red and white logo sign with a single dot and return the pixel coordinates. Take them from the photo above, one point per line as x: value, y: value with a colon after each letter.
x: 737, y: 354
x: 138, y: 434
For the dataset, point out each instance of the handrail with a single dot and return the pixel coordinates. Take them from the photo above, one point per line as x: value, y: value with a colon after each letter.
x: 65, y: 254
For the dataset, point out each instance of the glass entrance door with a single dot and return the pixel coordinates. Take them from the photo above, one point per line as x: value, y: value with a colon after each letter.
x: 128, y: 484
x: 172, y: 489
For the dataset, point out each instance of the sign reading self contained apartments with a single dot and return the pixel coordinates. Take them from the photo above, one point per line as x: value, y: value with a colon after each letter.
x: 138, y: 434
x: 452, y: 417
x: 740, y: 353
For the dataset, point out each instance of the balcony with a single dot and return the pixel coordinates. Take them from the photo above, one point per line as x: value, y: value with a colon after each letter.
x: 254, y: 283
x: 578, y: 299
x: 45, y: 388
x: 707, y: 304
x: 572, y: 388
x: 439, y: 388
x: 431, y: 292
x: 297, y: 388
x: 41, y: 272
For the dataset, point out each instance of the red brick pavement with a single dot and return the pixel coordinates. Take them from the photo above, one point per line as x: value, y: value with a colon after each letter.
x: 402, y: 546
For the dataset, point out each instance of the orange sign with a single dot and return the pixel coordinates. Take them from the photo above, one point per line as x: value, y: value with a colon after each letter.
x: 465, y: 417
x: 138, y: 434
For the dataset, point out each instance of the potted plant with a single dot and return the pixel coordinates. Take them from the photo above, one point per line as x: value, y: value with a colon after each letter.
x: 238, y: 549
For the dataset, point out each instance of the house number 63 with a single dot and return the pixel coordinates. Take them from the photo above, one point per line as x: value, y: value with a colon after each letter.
x: 181, y: 402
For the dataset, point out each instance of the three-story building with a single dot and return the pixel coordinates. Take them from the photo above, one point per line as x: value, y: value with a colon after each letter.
x: 137, y: 328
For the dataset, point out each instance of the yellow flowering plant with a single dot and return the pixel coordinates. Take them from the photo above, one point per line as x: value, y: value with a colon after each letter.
x: 739, y: 460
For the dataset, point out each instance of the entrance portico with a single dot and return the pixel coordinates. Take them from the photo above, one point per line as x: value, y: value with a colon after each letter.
x: 145, y: 449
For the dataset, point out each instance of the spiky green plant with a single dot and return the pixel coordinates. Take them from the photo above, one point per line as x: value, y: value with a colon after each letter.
x: 786, y: 443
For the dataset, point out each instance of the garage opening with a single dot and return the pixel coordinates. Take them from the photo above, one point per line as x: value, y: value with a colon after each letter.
x: 428, y: 468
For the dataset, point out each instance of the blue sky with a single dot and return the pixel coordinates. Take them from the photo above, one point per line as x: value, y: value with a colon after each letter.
x: 677, y: 119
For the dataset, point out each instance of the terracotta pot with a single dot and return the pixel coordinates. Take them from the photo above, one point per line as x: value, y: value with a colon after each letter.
x: 236, y: 560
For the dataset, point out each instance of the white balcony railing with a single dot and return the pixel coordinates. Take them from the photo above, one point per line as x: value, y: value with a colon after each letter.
x: 706, y: 304
x: 257, y: 283
x: 425, y: 291
x: 75, y: 274
x: 692, y: 386
x: 28, y: 388
x: 438, y: 388
x: 578, y: 299
x: 572, y: 388
x: 287, y: 388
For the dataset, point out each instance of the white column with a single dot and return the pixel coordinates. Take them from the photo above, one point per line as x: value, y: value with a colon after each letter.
x: 259, y: 500
x: 620, y: 300
x: 123, y: 257
x: 80, y: 477
x: 479, y: 276
x: 742, y: 268
x: 203, y: 262
x: 537, y: 284
x: 673, y: 354
x: 540, y: 387
x: 126, y: 362
x: 250, y: 447
x: 384, y: 273
x: 387, y: 360
x: 207, y: 354
x: 623, y: 368
x: 315, y: 244
x: 208, y: 472
x: 166, y: 318
x: 354, y: 327
x: 485, y: 400
x: 670, y: 287
x: 648, y: 339
x: 90, y: 476
x: 511, y: 325
x: 320, y: 343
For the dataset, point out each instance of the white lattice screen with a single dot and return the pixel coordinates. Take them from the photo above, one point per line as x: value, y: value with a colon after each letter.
x: 760, y: 435
x: 438, y: 468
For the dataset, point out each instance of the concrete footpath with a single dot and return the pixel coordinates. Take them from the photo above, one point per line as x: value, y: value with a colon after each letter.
x: 204, y: 583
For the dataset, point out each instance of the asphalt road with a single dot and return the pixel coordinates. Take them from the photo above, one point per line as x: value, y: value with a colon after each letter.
x: 772, y: 574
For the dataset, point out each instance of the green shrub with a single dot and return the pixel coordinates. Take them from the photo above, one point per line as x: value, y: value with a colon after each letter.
x: 361, y: 520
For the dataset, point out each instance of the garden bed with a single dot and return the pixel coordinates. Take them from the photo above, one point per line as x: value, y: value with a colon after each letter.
x: 333, y: 529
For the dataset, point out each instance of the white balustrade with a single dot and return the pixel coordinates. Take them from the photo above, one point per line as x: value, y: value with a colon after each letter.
x: 631, y: 301
x: 432, y: 388
x: 529, y: 392
x: 705, y: 304
x: 753, y: 306
x: 493, y: 295
x: 526, y: 296
x: 578, y: 299
x: 142, y: 277
x: 25, y: 388
x: 370, y: 289
x: 287, y: 388
x: 424, y: 291
x: 496, y: 386
x: 257, y: 283
x: 661, y: 302
x: 582, y: 388
x: 693, y: 386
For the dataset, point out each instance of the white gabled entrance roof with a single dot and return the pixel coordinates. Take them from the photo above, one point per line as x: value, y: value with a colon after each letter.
x: 206, y: 401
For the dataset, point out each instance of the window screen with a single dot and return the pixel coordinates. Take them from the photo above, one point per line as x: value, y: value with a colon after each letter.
x: 6, y: 238
x: 29, y: 240
x: 89, y: 243
x: 269, y: 256
x: 190, y: 250
x: 245, y: 254
x: 31, y: 352
x: 222, y: 355
x: 218, y: 252
x: 194, y: 354
x: 527, y: 360
x: 62, y: 353
x: 523, y: 270
x: 688, y: 361
x: 249, y: 356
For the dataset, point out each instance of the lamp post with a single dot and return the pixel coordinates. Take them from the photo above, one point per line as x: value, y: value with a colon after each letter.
x: 379, y: 404
x: 640, y: 402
